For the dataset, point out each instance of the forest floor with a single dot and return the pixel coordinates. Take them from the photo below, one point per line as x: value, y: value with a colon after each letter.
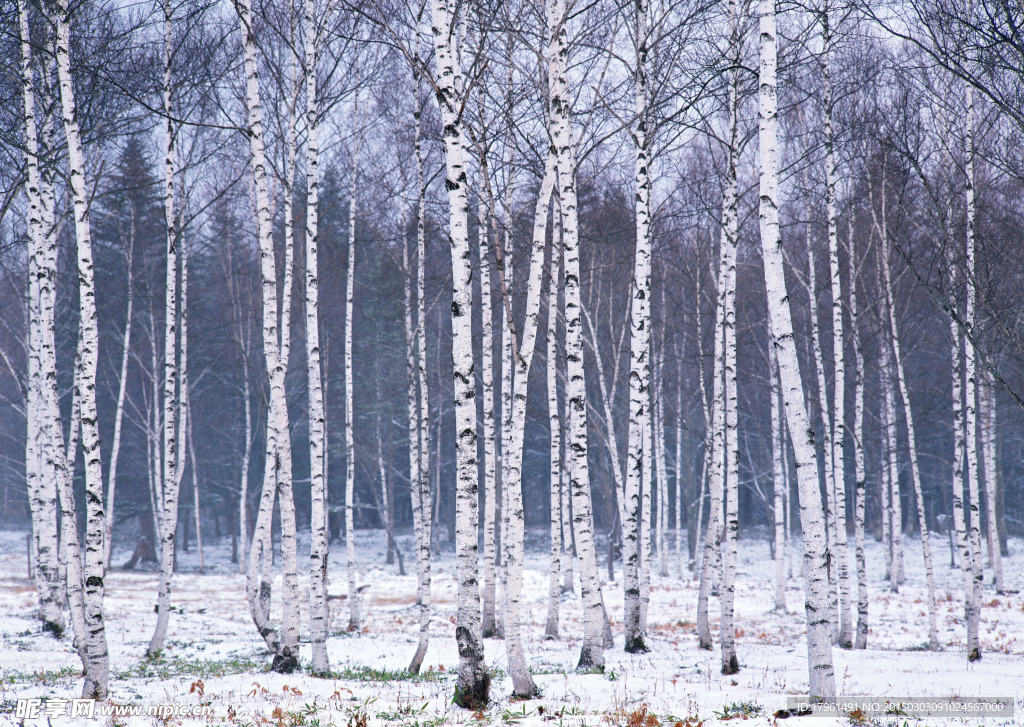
x: 215, y: 658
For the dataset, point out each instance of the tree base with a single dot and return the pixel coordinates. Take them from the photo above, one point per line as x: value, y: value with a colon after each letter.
x: 731, y: 665
x: 53, y: 628
x: 636, y: 645
x: 284, y: 663
x: 474, y: 696
x: 588, y: 663
x: 974, y: 655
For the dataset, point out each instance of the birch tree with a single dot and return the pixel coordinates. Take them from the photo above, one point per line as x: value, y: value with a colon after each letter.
x: 560, y: 130
x: 90, y: 629
x: 40, y: 445
x: 555, y: 430
x: 819, y: 639
x: 860, y: 485
x: 473, y: 684
x: 319, y: 614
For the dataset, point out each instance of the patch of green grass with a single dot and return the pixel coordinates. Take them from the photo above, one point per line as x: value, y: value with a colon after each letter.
x: 40, y: 677
x: 740, y: 710
x: 162, y: 667
x: 369, y: 674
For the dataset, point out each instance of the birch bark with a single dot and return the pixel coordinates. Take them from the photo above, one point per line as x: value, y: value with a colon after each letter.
x: 94, y: 636
x: 487, y: 377
x: 319, y: 613
x: 819, y: 640
x: 971, y: 396
x: 860, y: 487
x: 592, y: 651
x: 41, y: 429
x: 778, y: 485
x: 555, y: 430
x: 355, y: 621
x: 167, y: 503
x: 473, y: 681
x: 988, y: 434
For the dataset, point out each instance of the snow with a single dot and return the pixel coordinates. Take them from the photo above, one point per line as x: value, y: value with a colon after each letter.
x: 215, y: 657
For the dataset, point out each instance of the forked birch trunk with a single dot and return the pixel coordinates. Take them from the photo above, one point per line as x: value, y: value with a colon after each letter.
x: 819, y: 637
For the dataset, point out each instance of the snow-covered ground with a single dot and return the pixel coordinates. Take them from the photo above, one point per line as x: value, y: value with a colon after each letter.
x: 214, y: 656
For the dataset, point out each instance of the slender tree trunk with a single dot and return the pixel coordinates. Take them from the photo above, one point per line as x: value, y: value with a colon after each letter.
x: 730, y: 239
x: 419, y: 409
x: 971, y: 395
x: 988, y: 434
x: 660, y: 468
x: 355, y: 621
x: 555, y: 431
x: 838, y: 458
x: 778, y: 486
x: 91, y: 580
x: 487, y: 375
x: 922, y: 521
x: 319, y: 614
x: 522, y: 681
x: 819, y: 641
x: 860, y: 486
x: 43, y: 431
x: 473, y: 682
x: 592, y: 651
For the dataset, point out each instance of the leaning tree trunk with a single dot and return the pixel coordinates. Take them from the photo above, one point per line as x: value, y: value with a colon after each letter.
x: 473, y: 684
x: 555, y: 431
x: 40, y: 473
x: 592, y: 651
x: 819, y: 637
x: 922, y: 521
x: 93, y: 637
x: 278, y: 452
x: 522, y: 681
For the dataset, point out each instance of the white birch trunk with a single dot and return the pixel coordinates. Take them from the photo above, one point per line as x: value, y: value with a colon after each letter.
x: 660, y: 468
x: 555, y: 430
x: 487, y: 376
x: 278, y: 454
x: 167, y: 512
x: 522, y: 681
x: 971, y: 396
x: 901, y: 376
x: 355, y: 621
x: 988, y: 434
x: 473, y: 682
x: 319, y: 614
x: 592, y: 651
x: 819, y: 639
x: 420, y: 418
x: 860, y: 486
x: 94, y: 637
x: 778, y: 485
x: 41, y: 429
x: 838, y: 459
x: 730, y: 240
